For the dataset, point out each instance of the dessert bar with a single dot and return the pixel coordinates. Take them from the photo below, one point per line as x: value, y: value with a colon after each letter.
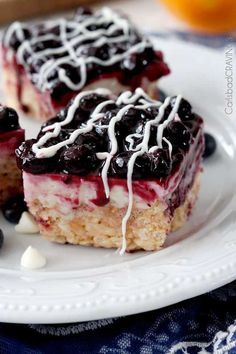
x: 114, y: 171
x: 47, y: 63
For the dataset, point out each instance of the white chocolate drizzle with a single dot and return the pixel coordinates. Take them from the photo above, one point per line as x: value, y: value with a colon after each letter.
x: 137, y: 100
x: 72, y: 39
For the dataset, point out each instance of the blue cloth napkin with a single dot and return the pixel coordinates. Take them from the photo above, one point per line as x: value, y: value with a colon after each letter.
x: 205, y: 324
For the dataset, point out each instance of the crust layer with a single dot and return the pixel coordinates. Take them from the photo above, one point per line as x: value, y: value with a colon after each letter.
x: 101, y: 227
x: 10, y: 178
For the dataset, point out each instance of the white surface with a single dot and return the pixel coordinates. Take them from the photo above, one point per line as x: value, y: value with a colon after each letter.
x: 81, y: 283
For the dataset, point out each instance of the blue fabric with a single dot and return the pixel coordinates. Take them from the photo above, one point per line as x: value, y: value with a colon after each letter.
x: 205, y: 324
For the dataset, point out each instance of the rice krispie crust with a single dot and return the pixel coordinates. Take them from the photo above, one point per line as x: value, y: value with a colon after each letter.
x: 147, y: 228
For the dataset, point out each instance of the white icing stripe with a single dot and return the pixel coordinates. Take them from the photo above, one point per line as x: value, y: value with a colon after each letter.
x: 15, y: 27
x: 153, y: 149
x: 126, y: 101
x: 128, y: 97
x: 52, y: 150
x: 82, y: 63
x: 169, y: 146
x: 162, y: 126
x: 73, y: 37
x: 144, y: 148
x: 130, y: 140
x: 114, y: 147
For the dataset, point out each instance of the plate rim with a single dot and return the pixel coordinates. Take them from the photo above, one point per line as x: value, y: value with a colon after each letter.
x: 21, y: 309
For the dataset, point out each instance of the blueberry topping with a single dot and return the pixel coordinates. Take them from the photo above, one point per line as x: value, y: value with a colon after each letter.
x: 134, y: 120
x: 142, y: 165
x: 79, y: 160
x: 1, y: 238
x: 119, y: 164
x: 184, y: 111
x: 13, y: 209
x: 43, y: 37
x: 93, y: 140
x: 79, y: 157
x: 178, y: 134
x: 8, y: 119
x: 210, y: 145
x: 27, y: 160
x: 82, y: 113
x: 16, y: 41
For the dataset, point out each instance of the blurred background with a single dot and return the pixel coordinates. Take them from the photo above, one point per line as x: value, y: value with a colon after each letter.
x: 204, y: 16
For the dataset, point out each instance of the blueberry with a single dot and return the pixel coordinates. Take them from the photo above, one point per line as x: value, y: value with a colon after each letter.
x: 184, y: 110
x: 93, y: 140
x: 133, y: 121
x: 35, y: 66
x: 101, y: 124
x: 178, y: 135
x: 79, y: 160
x: 142, y: 166
x: 210, y: 145
x: 59, y: 88
x: 83, y: 112
x: 161, y: 163
x: 1, y: 238
x: 61, y: 115
x: 193, y: 124
x: 15, y: 42
x: 27, y: 160
x: 8, y: 119
x: 44, y: 44
x: 134, y: 117
x: 13, y: 209
x: 71, y: 72
x: 119, y: 165
x: 90, y: 102
x: 101, y: 52
x: 153, y: 111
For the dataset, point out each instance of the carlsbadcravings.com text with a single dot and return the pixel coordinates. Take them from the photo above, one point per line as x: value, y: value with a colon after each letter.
x: 229, y: 80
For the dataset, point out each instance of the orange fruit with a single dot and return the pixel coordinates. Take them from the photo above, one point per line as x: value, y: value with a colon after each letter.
x: 206, y: 15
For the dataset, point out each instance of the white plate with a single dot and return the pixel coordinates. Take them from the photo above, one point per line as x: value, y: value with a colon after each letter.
x: 81, y: 283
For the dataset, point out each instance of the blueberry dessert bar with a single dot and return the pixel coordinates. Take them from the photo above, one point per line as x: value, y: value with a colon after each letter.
x: 48, y: 63
x: 11, y: 136
x: 114, y: 171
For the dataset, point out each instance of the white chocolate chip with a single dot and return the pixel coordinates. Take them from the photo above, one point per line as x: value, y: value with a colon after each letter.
x: 32, y: 259
x: 27, y: 224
